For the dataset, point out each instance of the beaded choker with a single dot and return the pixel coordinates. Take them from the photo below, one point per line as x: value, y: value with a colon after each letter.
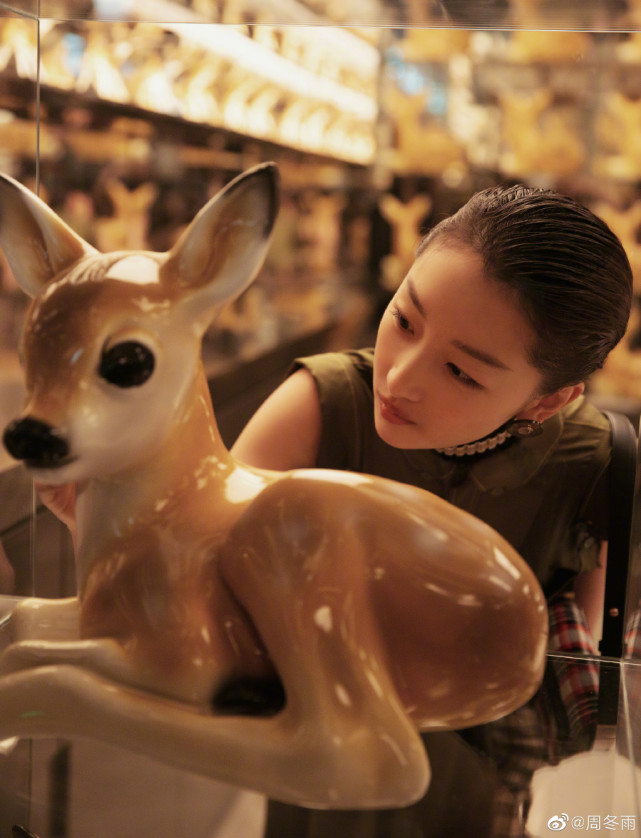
x: 514, y: 428
x: 488, y: 443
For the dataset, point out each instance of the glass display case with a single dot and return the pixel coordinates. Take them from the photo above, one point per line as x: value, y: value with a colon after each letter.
x: 383, y: 116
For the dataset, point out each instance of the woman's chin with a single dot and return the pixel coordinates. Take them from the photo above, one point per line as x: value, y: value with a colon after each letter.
x: 411, y: 438
x: 406, y: 437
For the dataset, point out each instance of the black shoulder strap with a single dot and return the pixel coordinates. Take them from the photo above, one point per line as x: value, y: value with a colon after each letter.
x: 623, y: 468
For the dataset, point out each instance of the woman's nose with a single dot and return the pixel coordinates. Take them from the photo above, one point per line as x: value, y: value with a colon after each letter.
x: 405, y: 379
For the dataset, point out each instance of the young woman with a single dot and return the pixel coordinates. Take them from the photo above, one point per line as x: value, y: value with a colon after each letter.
x: 474, y: 391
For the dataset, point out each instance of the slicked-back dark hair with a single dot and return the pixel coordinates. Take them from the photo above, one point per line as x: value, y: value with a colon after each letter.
x: 569, y: 271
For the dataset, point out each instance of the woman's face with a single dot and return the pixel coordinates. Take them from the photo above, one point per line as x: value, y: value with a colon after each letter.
x: 451, y: 355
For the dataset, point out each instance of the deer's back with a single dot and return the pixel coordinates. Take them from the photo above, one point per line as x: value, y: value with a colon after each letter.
x: 455, y: 612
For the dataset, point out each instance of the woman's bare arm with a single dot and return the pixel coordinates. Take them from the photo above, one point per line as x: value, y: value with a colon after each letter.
x: 61, y: 500
x: 7, y: 575
x: 284, y: 433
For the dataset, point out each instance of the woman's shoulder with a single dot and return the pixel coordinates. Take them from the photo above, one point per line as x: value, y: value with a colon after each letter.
x: 343, y: 380
x: 582, y: 413
x: 574, y: 446
x: 586, y: 430
x: 340, y: 367
x: 344, y: 385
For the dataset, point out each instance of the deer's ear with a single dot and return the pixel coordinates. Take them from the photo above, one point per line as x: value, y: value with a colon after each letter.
x: 223, y: 248
x: 37, y: 244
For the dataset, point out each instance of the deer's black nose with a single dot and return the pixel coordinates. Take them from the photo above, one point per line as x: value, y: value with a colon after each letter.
x: 35, y: 442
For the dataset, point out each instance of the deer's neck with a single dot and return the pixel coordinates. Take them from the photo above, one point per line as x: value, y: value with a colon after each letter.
x: 174, y: 489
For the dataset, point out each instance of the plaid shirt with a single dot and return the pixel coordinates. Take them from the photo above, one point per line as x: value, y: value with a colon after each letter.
x: 559, y: 721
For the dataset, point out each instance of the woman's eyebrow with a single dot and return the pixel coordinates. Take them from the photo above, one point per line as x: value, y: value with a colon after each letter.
x: 411, y: 290
x: 478, y: 354
x: 481, y: 355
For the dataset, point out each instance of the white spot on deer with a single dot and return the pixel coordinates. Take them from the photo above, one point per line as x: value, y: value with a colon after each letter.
x: 439, y: 690
x: 342, y: 695
x: 503, y: 561
x: 323, y: 618
x: 469, y: 600
x: 375, y: 683
x: 241, y: 486
x: 136, y: 268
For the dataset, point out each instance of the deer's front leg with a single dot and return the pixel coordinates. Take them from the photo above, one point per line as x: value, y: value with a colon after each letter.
x: 47, y: 631
x: 266, y: 755
x: 36, y: 625
x: 303, y: 583
x: 45, y: 619
x: 103, y: 656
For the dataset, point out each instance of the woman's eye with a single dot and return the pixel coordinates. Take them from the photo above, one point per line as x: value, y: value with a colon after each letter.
x: 127, y: 364
x: 458, y: 373
x: 403, y: 322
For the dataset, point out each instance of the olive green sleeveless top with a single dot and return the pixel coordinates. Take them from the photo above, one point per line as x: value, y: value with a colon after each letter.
x: 545, y: 495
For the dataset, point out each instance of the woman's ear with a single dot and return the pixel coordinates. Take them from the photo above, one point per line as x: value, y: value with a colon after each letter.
x: 545, y: 406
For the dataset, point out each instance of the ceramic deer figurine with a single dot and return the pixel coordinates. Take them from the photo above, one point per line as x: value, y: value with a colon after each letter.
x: 286, y: 632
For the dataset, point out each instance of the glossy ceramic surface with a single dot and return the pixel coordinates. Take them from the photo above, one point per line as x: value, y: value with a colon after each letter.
x: 290, y: 633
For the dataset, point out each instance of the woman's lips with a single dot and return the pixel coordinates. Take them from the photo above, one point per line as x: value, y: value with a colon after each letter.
x: 392, y: 414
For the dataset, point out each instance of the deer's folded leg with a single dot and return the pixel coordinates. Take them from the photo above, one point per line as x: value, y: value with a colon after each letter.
x: 103, y: 656
x: 274, y: 756
x: 45, y: 619
x: 305, y: 587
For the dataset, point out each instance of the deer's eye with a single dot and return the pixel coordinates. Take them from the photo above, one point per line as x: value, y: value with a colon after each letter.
x: 127, y: 364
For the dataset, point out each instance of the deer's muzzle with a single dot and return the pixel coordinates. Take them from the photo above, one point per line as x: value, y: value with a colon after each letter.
x: 36, y: 443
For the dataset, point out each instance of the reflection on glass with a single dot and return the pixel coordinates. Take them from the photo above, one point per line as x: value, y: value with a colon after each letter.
x: 129, y: 146
x: 597, y: 15
x: 593, y: 788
